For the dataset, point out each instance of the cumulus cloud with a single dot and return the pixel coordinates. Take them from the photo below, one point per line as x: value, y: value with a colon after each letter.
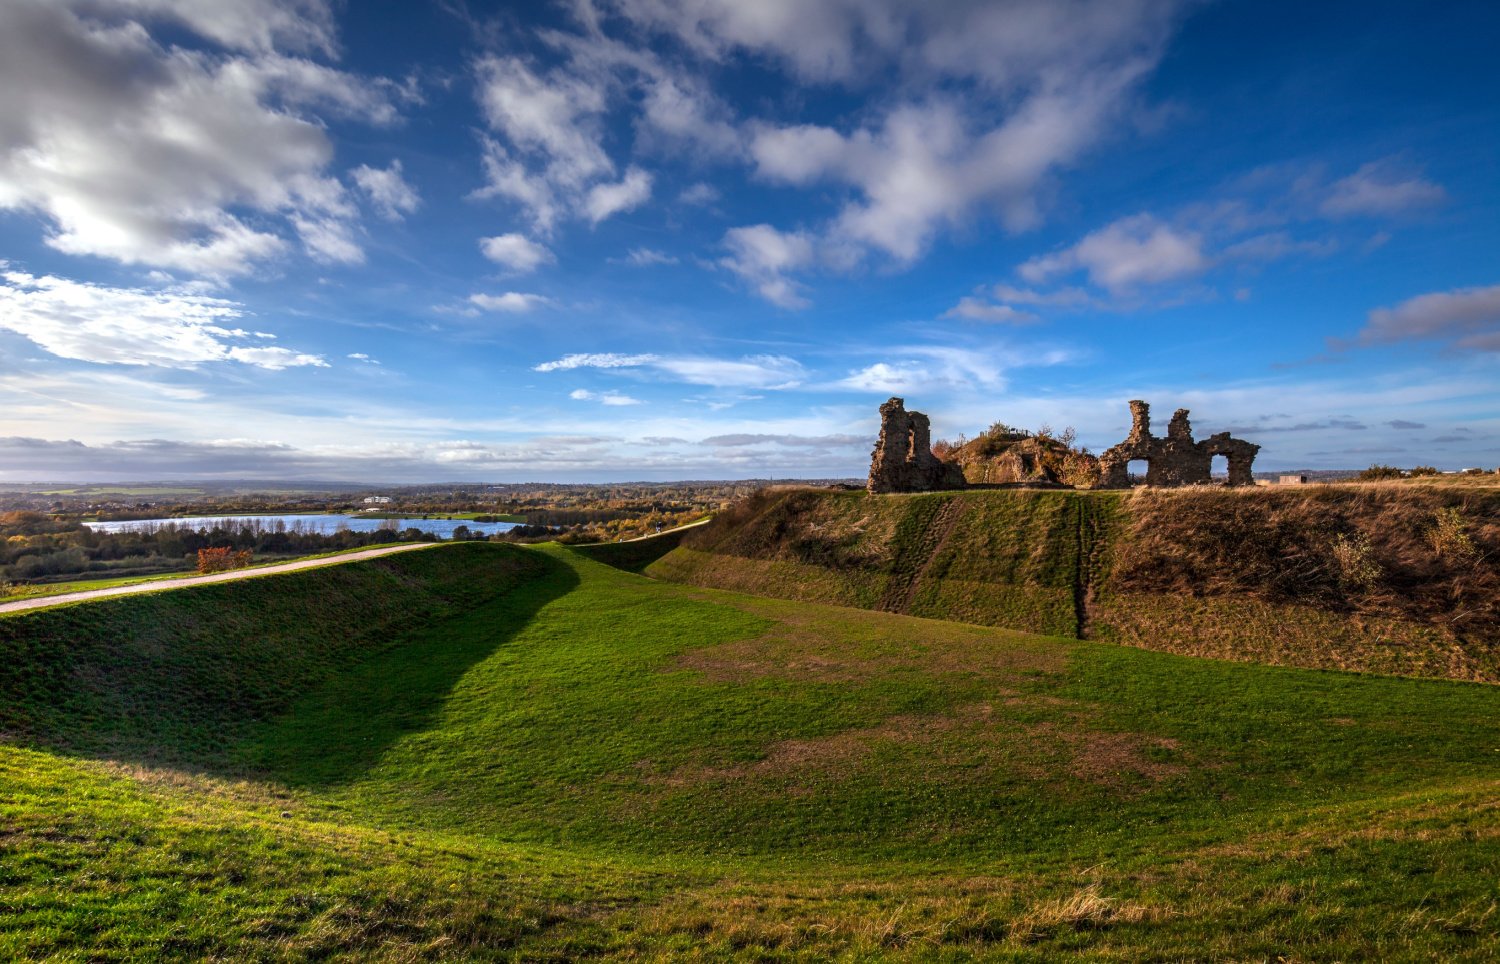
x: 926, y: 367
x: 1467, y: 318
x: 388, y: 190
x: 132, y: 326
x: 985, y: 103
x: 975, y: 309
x: 159, y: 155
x: 611, y: 398
x: 1130, y: 252
x: 764, y: 256
x: 511, y: 302
x: 515, y: 251
x: 548, y: 153
x: 1381, y: 188
x: 606, y: 200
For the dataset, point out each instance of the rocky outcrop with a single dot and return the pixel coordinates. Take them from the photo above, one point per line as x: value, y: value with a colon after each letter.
x: 1028, y: 460
x: 1176, y: 459
x: 903, y: 459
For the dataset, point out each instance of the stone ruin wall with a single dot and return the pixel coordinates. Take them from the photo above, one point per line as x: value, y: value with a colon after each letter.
x: 903, y: 459
x: 1176, y: 459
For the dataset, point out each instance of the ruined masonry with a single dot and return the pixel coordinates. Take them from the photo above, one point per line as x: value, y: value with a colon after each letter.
x: 903, y: 459
x: 1176, y: 459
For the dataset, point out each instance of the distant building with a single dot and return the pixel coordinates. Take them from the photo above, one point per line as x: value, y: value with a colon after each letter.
x: 377, y: 500
x: 1293, y: 480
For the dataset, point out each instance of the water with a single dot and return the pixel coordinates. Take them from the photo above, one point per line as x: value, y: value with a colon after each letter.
x: 324, y: 523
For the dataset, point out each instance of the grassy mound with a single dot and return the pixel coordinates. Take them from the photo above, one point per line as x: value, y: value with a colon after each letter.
x: 179, y: 676
x: 1389, y: 579
x: 634, y: 555
x: 586, y: 762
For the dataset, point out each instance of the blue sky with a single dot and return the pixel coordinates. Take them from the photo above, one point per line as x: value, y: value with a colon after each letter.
x: 669, y: 239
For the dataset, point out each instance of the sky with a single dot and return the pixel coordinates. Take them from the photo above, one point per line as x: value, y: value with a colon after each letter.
x: 704, y: 239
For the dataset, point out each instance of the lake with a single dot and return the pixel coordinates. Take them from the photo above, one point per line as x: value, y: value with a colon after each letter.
x: 325, y: 523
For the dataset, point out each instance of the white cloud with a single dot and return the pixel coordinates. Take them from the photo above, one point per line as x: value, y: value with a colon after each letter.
x: 1275, y: 245
x: 699, y: 193
x: 931, y: 368
x: 974, y: 309
x: 274, y: 358
x: 1058, y: 297
x: 132, y: 326
x: 511, y: 302
x: 605, y: 200
x: 646, y: 257
x: 162, y: 156
x: 596, y: 360
x: 556, y: 117
x: 329, y: 240
x: 388, y: 190
x: 754, y: 371
x: 1381, y: 189
x: 256, y: 25
x: 763, y: 256
x: 1469, y: 318
x: 1132, y: 251
x: 611, y: 398
x: 516, y: 252
x: 985, y: 102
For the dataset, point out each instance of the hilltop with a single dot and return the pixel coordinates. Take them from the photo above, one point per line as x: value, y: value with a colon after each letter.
x: 1399, y: 578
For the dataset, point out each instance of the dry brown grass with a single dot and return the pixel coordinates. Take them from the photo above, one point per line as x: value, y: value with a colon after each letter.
x: 1419, y: 553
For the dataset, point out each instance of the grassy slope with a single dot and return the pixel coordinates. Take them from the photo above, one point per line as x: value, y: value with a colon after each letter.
x: 574, y: 760
x: 1231, y: 575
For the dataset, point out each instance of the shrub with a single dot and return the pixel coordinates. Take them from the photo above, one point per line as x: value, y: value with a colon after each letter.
x: 1449, y: 537
x: 1376, y: 473
x: 222, y: 559
x: 1354, y: 559
x: 1418, y: 471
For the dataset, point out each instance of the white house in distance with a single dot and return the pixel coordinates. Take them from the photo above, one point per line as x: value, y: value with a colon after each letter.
x: 377, y: 500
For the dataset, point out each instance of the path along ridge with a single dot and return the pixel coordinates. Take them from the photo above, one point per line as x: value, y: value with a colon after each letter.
x: 182, y: 583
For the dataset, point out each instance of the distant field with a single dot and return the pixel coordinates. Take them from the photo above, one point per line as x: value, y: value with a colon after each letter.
x: 492, y: 751
x: 121, y: 490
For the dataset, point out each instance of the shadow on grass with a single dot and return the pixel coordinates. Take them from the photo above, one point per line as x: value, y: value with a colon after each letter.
x: 335, y: 733
x: 305, y: 676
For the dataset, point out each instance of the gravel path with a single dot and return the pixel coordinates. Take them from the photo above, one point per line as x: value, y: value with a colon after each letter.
x: 160, y: 584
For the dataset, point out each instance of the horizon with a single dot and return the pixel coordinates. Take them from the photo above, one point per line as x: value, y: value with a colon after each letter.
x: 613, y: 241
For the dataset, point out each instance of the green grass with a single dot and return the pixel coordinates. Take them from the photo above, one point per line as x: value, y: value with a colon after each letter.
x: 634, y: 555
x: 550, y: 758
x: 38, y: 590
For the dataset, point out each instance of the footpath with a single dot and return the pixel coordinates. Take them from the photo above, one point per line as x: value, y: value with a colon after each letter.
x: 182, y: 583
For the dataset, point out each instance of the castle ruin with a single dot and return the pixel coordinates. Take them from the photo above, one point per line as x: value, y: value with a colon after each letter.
x: 1176, y: 459
x: 903, y: 459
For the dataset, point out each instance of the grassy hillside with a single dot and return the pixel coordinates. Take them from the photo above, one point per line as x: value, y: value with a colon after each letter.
x: 634, y: 555
x: 178, y: 676
x: 1390, y: 579
x: 569, y: 760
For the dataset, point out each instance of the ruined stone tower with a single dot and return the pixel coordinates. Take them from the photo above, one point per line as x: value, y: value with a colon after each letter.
x: 903, y: 459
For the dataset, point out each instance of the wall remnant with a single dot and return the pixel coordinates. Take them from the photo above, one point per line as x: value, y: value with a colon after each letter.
x: 903, y: 459
x: 1176, y: 459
